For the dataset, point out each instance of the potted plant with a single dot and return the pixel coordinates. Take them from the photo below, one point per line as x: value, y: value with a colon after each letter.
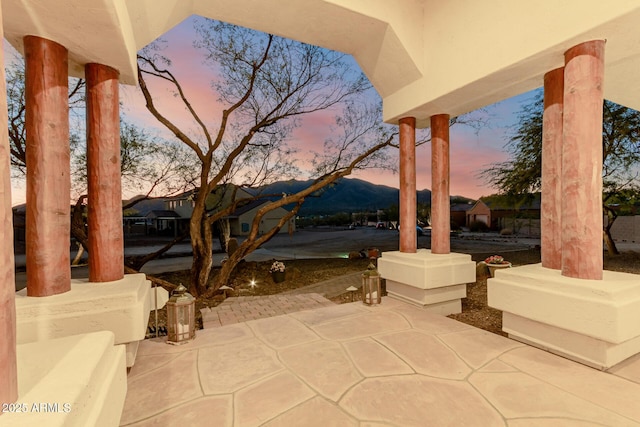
x: 496, y: 262
x: 278, y: 271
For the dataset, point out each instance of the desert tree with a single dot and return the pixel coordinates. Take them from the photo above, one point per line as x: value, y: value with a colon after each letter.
x: 266, y: 85
x: 521, y: 174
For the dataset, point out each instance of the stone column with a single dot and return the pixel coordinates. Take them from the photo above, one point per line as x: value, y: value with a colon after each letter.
x: 582, y: 161
x: 48, y: 216
x: 408, y: 203
x: 8, y: 363
x: 551, y: 203
x: 106, y: 252
x: 440, y: 205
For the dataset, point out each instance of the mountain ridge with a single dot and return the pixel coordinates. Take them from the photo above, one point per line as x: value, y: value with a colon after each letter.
x: 346, y: 195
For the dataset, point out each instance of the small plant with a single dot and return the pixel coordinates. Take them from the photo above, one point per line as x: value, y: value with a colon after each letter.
x: 277, y: 266
x: 495, y: 259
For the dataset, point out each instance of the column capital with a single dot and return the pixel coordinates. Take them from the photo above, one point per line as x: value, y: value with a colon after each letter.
x: 593, y: 48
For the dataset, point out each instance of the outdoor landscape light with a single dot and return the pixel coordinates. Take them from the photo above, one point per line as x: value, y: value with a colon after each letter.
x: 181, y: 317
x: 352, y: 290
x: 371, y: 286
x: 224, y: 289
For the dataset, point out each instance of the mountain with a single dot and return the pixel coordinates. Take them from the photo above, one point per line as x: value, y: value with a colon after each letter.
x: 143, y: 207
x: 346, y: 195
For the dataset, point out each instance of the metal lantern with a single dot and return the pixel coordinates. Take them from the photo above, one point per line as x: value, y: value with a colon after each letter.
x: 371, y: 289
x: 181, y: 317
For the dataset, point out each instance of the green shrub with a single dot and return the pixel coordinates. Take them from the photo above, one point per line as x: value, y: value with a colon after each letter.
x: 478, y: 226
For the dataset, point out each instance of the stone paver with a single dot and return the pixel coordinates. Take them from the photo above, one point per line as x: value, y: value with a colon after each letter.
x: 230, y: 367
x: 417, y: 401
x: 329, y: 370
x: 426, y: 354
x: 518, y: 395
x: 381, y: 360
x: 344, y: 365
x: 242, y: 309
x: 306, y: 414
x: 181, y: 373
x: 265, y: 400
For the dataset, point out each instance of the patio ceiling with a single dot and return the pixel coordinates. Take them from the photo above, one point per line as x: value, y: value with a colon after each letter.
x: 424, y: 57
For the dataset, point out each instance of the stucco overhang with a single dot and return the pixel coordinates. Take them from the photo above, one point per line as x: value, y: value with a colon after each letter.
x: 424, y: 57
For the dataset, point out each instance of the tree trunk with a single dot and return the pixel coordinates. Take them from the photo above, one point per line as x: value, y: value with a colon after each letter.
x: 202, y: 245
x: 611, y: 245
x: 78, y: 256
x: 608, y: 240
x: 78, y: 229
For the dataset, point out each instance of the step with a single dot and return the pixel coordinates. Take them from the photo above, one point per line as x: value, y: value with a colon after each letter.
x: 78, y: 380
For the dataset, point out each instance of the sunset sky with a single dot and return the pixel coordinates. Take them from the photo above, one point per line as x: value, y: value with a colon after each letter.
x: 471, y: 149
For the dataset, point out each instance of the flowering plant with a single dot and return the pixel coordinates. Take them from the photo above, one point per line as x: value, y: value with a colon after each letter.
x: 277, y: 266
x: 495, y: 259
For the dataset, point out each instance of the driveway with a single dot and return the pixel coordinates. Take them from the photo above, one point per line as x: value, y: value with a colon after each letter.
x: 315, y: 243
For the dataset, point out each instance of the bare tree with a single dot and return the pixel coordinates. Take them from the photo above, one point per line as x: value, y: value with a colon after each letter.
x: 266, y: 85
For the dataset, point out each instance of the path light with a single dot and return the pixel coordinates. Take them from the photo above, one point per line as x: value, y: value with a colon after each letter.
x: 224, y: 289
x: 181, y: 317
x: 352, y: 290
x: 371, y: 286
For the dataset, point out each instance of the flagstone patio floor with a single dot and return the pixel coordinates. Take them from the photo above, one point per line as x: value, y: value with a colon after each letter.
x: 353, y: 365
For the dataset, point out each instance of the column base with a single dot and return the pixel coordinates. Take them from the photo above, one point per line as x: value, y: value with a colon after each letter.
x: 436, y: 282
x: 78, y: 380
x: 594, y: 322
x: 121, y: 307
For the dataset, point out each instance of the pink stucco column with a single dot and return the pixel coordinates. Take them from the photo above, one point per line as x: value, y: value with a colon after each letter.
x: 48, y: 216
x: 440, y: 205
x: 8, y: 363
x: 104, y: 202
x: 551, y: 208
x: 408, y: 203
x: 582, y: 161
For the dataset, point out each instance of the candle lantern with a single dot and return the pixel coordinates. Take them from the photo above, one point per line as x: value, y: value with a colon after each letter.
x: 181, y: 317
x: 371, y: 289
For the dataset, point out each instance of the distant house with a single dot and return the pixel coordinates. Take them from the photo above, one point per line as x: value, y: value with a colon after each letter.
x: 458, y: 213
x: 166, y: 223
x: 498, y: 211
x: 239, y: 221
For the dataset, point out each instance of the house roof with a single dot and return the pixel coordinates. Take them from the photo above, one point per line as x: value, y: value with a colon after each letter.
x: 461, y: 207
x: 163, y: 214
x: 504, y: 203
x: 246, y: 208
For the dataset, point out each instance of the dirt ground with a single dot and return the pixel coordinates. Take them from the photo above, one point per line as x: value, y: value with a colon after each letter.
x: 309, y: 271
